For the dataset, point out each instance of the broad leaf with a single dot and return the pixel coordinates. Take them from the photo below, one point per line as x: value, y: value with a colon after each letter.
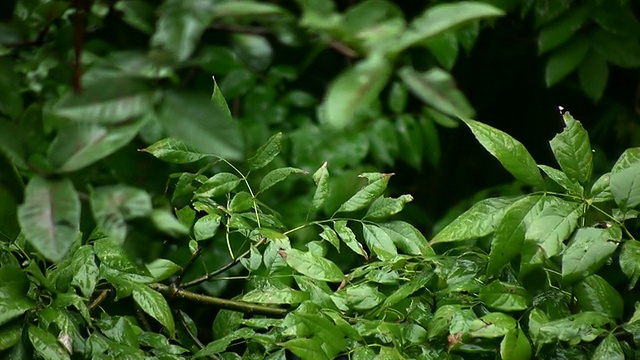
x: 437, y: 89
x: 480, y: 220
x: 113, y: 205
x: 321, y: 178
x: 609, y: 349
x: 245, y: 8
x: 583, y: 326
x: 406, y: 237
x: 510, y: 233
x: 593, y: 74
x: 313, y: 266
x: 50, y: 216
x: 46, y: 344
x: 515, y: 346
x: 407, y: 289
x: 174, y: 151
x: 276, y: 296
x: 113, y: 256
x: 625, y: 186
x: 572, y: 150
x: 588, y: 250
x: 384, y: 207
x: 630, y: 260
x: 562, y: 30
x: 321, y: 328
x: 595, y: 294
x: 365, y: 196
x: 505, y: 297
x: 162, y: 269
x: 560, y: 178
x: 201, y: 124
x: 219, y: 184
x: 629, y: 157
x: 378, y: 241
x: 266, y: 153
x: 154, y: 304
x: 330, y: 236
x: 310, y: 349
x: 206, y: 226
x: 357, y: 297
x: 566, y: 60
x: 278, y: 175
x: 108, y: 101
x: 510, y: 152
x: 85, y: 270
x: 354, y: 90
x: 349, y: 238
x: 241, y: 202
x: 219, y: 345
x: 601, y: 190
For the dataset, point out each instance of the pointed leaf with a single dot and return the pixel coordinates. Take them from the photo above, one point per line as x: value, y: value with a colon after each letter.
x: 595, y: 294
x: 312, y: 266
x: 154, y: 304
x: 593, y: 74
x: 365, y: 196
x: 588, y: 250
x: 206, y: 227
x: 354, y: 90
x: 515, y: 346
x: 563, y: 29
x: 241, y: 202
x: 505, y: 297
x: 113, y: 256
x: 565, y: 60
x: 276, y: 296
x: 174, y: 151
x: 349, y: 238
x: 563, y: 180
x: 406, y: 237
x: 630, y: 261
x: 278, y: 175
x: 308, y: 349
x: 384, y: 207
x: 330, y: 236
x: 266, y: 153
x: 50, y: 216
x: 378, y: 241
x: 601, y: 190
x: 609, y: 349
x: 480, y: 220
x: 218, y: 99
x: 113, y: 205
x: 221, y: 344
x: 625, y: 186
x: 46, y: 344
x: 321, y: 178
x: 85, y: 270
x: 572, y: 150
x: 510, y: 152
x: 219, y: 184
x: 162, y: 269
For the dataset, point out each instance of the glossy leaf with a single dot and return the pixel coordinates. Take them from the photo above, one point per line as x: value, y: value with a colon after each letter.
x: 109, y: 101
x: 480, y: 220
x: 206, y: 227
x: 572, y: 150
x: 601, y: 190
x: 201, y: 124
x: 154, y: 304
x: 593, y: 74
x: 407, y: 289
x: 629, y: 157
x: 46, y: 345
x: 588, y: 250
x: 349, y: 238
x: 278, y: 175
x: 226, y: 322
x: 406, y: 237
x: 595, y: 294
x: 241, y: 202
x: 50, y: 216
x: 85, y: 270
x: 113, y: 205
x: 505, y: 297
x: 321, y: 178
x: 365, y: 196
x: 330, y: 236
x: 437, y: 89
x: 219, y: 184
x: 378, y: 241
x: 276, y: 296
x: 113, y: 256
x: 358, y: 297
x: 219, y: 345
x: 583, y: 326
x: 174, y: 151
x: 13, y: 303
x: 10, y: 335
x: 510, y: 233
x: 560, y: 178
x: 630, y: 260
x: 245, y: 8
x: 513, y: 156
x: 515, y: 346
x: 321, y: 328
x: 442, y: 17
x: 162, y: 269
x: 609, y: 349
x: 354, y: 90
x: 306, y: 348
x: 312, y: 266
x: 384, y: 207
x: 266, y: 153
x: 497, y: 324
x: 625, y: 186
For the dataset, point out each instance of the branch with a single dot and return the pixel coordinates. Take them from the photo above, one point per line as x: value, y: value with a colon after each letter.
x: 242, y: 306
x: 192, y: 260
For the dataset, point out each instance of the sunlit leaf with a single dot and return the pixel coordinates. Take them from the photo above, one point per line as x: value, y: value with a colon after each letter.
x: 515, y: 346
x: 349, y: 238
x: 584, y: 326
x: 321, y: 178
x: 378, y: 241
x: 437, y: 88
x: 46, y: 344
x: 312, y: 266
x: 595, y: 294
x: 609, y: 349
x: 278, y: 175
x: 365, y: 196
x: 383, y: 206
x: 174, y: 151
x: 588, y: 250
x: 266, y: 153
x: 154, y: 304
x: 625, y: 186
x: 406, y: 237
x: 206, y: 226
x: 573, y: 151
x: 630, y: 260
x: 219, y: 345
x: 219, y: 184
x: 560, y: 178
x: 310, y: 349
x: 162, y: 269
x: 50, y: 216
x: 276, y: 296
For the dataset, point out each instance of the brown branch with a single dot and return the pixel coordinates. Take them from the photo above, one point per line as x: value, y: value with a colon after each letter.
x: 343, y: 49
x: 241, y: 306
x: 98, y: 300
x: 192, y: 260
x: 219, y: 271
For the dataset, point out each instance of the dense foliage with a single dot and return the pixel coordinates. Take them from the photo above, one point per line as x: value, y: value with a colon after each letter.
x: 141, y: 218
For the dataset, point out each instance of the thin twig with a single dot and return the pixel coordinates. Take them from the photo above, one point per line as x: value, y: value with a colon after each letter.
x: 98, y: 300
x: 192, y: 260
x: 143, y: 319
x: 190, y: 334
x: 241, y: 306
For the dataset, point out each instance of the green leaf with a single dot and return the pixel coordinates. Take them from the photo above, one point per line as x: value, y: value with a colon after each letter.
x: 266, y: 153
x: 436, y: 88
x: 174, y: 151
x: 13, y: 300
x: 515, y: 346
x: 595, y: 294
x: 113, y: 256
x: 496, y: 325
x: 629, y: 157
x: 154, y: 304
x: 378, y: 241
x: 620, y: 51
x: 206, y: 227
x: 625, y: 186
x: 201, y: 124
x: 50, y: 216
x: 545, y: 235
x: 276, y: 296
x: 409, y: 137
x: 444, y: 48
x: 398, y: 95
x: 218, y: 99
x: 312, y: 266
x: 407, y: 289
x: 219, y: 184
x: 113, y: 205
x: 583, y: 326
x: 479, y: 221
x: 354, y: 90
x: 513, y: 156
x: 630, y: 261
x: 588, y: 250
x: 321, y: 178
x: 254, y: 50
x: 219, y: 345
x: 321, y: 328
x: 244, y: 8
x: 406, y: 237
x: 241, y: 202
x: 609, y: 349
x: 349, y: 238
x: 12, y: 145
x: 330, y: 236
x: 563, y: 29
x: 166, y: 222
x: 563, y: 180
x: 308, y: 349
x: 593, y: 74
x: 442, y: 17
x: 46, y: 345
x: 10, y: 335
x: 162, y: 269
x: 278, y: 175
x: 384, y: 207
x: 510, y: 233
x: 226, y: 322
x: 572, y: 150
x: 601, y: 190
x: 108, y: 101
x: 505, y: 297
x: 85, y: 270
x: 365, y: 196
x: 357, y: 297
